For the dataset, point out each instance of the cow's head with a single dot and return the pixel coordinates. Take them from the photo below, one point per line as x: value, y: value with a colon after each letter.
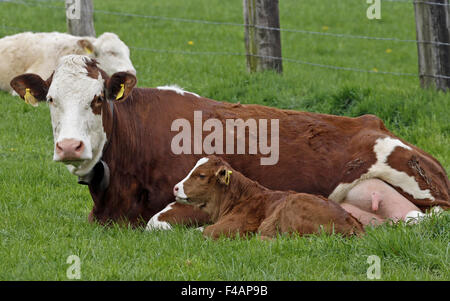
x: 109, y: 51
x: 76, y: 93
x: 205, y: 185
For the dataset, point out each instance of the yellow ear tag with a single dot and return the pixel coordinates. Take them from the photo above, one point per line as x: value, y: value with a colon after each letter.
x: 227, y: 177
x: 29, y: 98
x: 89, y: 51
x: 122, y: 90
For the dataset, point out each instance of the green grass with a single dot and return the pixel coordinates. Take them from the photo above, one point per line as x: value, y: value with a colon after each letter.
x: 43, y: 212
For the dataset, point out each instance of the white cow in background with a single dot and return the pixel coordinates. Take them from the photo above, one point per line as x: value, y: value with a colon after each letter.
x: 39, y: 53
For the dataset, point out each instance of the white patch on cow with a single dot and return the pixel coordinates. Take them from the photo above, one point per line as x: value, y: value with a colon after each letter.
x: 414, y: 217
x: 383, y: 148
x: 155, y: 224
x: 72, y: 91
x: 436, y: 210
x: 180, y: 192
x: 176, y: 89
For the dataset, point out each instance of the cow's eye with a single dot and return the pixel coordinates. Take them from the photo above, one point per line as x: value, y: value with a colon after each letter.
x: 50, y: 100
x: 202, y: 176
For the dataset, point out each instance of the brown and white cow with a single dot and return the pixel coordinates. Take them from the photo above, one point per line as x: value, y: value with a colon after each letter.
x: 238, y: 205
x: 117, y: 138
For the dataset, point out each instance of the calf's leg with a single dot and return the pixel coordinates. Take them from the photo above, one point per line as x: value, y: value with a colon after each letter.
x: 176, y: 213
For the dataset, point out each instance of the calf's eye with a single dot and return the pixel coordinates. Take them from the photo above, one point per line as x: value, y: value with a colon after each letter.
x: 202, y: 176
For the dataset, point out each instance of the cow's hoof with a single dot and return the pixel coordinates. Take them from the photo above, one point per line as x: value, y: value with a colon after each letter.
x: 413, y: 217
x: 200, y: 229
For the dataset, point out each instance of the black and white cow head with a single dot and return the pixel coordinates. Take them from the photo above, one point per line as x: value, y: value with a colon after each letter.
x: 75, y: 94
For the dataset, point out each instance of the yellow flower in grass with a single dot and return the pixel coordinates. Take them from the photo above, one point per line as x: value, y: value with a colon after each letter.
x: 191, y: 43
x: 325, y: 28
x: 375, y: 70
x: 389, y: 50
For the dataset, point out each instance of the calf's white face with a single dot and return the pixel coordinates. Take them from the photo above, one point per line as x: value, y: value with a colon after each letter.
x: 178, y: 189
x: 75, y: 94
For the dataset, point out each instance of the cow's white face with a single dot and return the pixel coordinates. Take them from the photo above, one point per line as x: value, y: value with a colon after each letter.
x: 112, y: 54
x: 70, y: 97
x: 76, y: 93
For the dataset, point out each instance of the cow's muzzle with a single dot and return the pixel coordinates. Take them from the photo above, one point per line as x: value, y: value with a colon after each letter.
x: 69, y: 150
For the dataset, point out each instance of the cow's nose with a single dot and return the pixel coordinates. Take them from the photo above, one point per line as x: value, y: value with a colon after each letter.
x: 175, y: 190
x: 69, y: 149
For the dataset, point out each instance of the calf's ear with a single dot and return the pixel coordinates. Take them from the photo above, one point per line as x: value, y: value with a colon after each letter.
x: 223, y: 174
x: 119, y: 86
x: 31, y: 87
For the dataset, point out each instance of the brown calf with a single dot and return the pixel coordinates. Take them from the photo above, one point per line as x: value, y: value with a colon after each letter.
x: 238, y: 205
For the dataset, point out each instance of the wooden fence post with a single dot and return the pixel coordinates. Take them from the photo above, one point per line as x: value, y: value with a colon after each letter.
x: 80, y: 19
x: 259, y: 41
x: 433, y: 24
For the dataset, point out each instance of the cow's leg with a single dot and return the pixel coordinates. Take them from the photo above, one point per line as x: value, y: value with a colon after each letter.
x: 376, y: 197
x: 176, y: 213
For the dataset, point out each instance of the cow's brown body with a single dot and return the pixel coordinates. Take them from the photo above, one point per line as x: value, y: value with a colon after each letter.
x: 317, y: 152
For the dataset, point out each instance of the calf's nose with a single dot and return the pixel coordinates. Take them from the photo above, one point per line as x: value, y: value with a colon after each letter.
x: 69, y: 149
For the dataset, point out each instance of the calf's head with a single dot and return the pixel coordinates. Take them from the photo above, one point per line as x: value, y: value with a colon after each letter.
x: 205, y: 185
x: 76, y: 93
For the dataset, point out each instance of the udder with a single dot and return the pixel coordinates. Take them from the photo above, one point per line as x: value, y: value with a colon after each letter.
x: 374, y: 199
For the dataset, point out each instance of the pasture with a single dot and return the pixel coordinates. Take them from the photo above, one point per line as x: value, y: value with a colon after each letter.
x: 43, y: 211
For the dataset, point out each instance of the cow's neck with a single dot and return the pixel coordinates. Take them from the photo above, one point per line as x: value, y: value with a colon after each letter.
x: 99, y: 173
x: 127, y: 160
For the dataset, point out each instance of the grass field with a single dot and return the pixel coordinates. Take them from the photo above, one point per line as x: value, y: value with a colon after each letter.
x: 43, y: 212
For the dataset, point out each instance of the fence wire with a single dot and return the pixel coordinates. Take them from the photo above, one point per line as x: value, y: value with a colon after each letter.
x: 208, y: 22
x: 197, y: 21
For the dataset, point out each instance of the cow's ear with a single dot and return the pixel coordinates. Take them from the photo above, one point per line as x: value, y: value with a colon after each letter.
x: 223, y: 174
x: 30, y: 87
x: 119, y: 86
x: 86, y: 46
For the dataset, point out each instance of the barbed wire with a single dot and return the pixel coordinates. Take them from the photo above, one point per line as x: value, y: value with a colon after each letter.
x: 198, y: 21
x: 223, y: 53
x: 395, y: 1
x: 259, y: 56
x: 417, y: 2
x: 288, y: 60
